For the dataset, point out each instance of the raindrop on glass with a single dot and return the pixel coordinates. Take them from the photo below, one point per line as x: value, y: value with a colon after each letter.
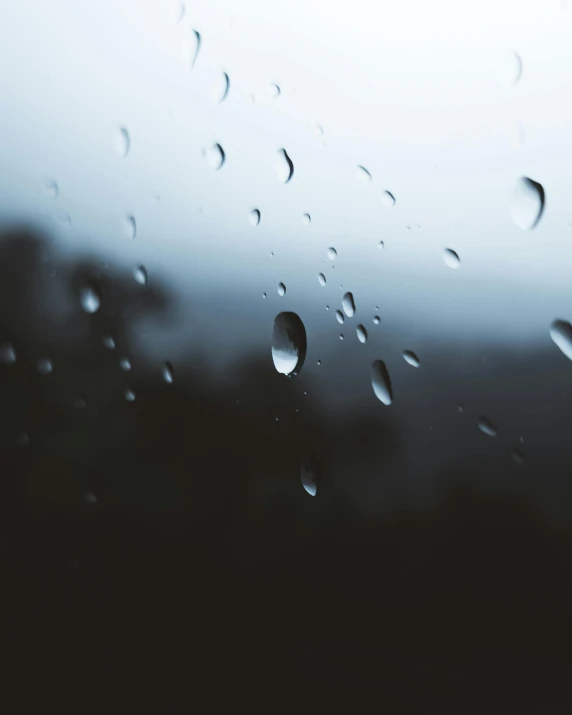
x: 340, y: 317
x: 306, y: 219
x: 168, y: 373
x: 284, y: 166
x: 264, y: 295
x: 363, y: 174
x: 90, y: 499
x: 220, y: 88
x: 7, y: 354
x: 318, y: 363
x: 90, y: 300
x: 380, y: 245
x: 130, y: 226
x: 125, y: 364
x: 281, y: 289
x: 109, y: 342
x: 411, y: 358
x: 44, y: 366
x: 288, y: 343
x: 275, y: 90
x: 561, y: 334
x: 254, y: 217
x: 215, y: 156
x: 487, y: 427
x: 140, y: 275
x: 190, y: 49
x: 361, y: 333
x: 512, y: 69
x: 129, y: 395
x: 341, y: 336
x: 348, y: 304
x: 527, y: 203
x: 332, y: 253
x: 388, y: 199
x: 322, y: 279
x: 376, y: 319
x: 310, y: 476
x: 122, y: 141
x: 381, y: 382
x: 51, y: 189
x: 451, y: 258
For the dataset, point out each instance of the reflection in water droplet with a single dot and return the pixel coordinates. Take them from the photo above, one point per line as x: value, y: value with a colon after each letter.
x: 487, y: 427
x: 306, y: 219
x: 125, y: 364
x: 411, y: 358
x: 340, y: 317
x: 220, y: 89
x: 376, y: 319
x: 7, y: 354
x: 168, y: 373
x: 310, y: 476
x: 512, y: 69
x: 281, y: 289
x: 361, y: 333
x: 90, y: 300
x: 284, y: 166
x: 140, y: 275
x: 561, y: 334
x: 348, y: 304
x: 129, y: 395
x: 216, y: 156
x: 451, y: 258
x: 51, y: 189
x: 275, y: 90
x: 122, y: 141
x: 332, y: 253
x: 363, y: 173
x: 527, y: 203
x: 254, y: 217
x: 381, y: 383
x: 130, y: 226
x: 387, y: 199
x: 288, y: 343
x: 109, y: 342
x: 322, y: 279
x: 44, y: 366
x: 518, y: 456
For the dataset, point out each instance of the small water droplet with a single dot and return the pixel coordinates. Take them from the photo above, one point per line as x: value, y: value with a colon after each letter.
x: 341, y: 336
x: 361, y: 333
x: 109, y: 342
x: 51, y: 189
x: 332, y: 253
x: 122, y: 141
x: 388, y: 199
x: 220, y: 88
x: 90, y: 299
x: 487, y: 427
x: 125, y: 364
x: 518, y: 456
x: 380, y: 245
x: 284, y: 166
x: 281, y: 289
x: 190, y: 49
x: 275, y: 90
x: 363, y: 174
x: 512, y: 69
x: 340, y: 317
x: 318, y: 362
x: 348, y: 304
x: 310, y: 476
x: 527, y: 203
x: 44, y: 366
x: 90, y: 499
x: 381, y: 382
x: 376, y: 319
x: 322, y: 279
x: 215, y: 156
x: 7, y: 354
x: 561, y: 334
x: 130, y: 226
x: 306, y: 219
x: 288, y: 343
x: 254, y: 217
x: 177, y: 11
x: 264, y: 295
x: 460, y: 409
x: 140, y: 275
x: 168, y: 373
x: 411, y: 358
x: 129, y: 395
x: 451, y: 258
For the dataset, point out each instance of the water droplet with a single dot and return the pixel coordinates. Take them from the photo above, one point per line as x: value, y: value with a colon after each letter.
x: 140, y: 275
x: 363, y: 174
x: 381, y: 382
x: 318, y: 363
x: 190, y: 49
x: 348, y: 304
x: 215, y: 156
x: 51, y: 189
x: 288, y: 343
x: 284, y: 166
x: 512, y: 69
x: 332, y: 253
x: 264, y: 295
x: 129, y: 395
x: 90, y: 499
x: 122, y: 141
x: 380, y: 245
x: 7, y: 354
x: 281, y: 289
x: 220, y: 88
x: 451, y: 258
x: 361, y: 333
x: 322, y: 279
x: 109, y: 342
x: 44, y: 366
x: 254, y: 217
x: 178, y: 11
x: 561, y: 334
x: 460, y: 409
x: 376, y: 319
x: 125, y: 364
x: 341, y: 336
x: 90, y: 300
x: 275, y: 90
x: 130, y: 226
x: 310, y: 476
x: 388, y: 199
x: 518, y: 456
x: 340, y: 317
x: 487, y: 427
x: 327, y: 307
x: 168, y: 373
x: 527, y: 203
x: 306, y: 219
x: 411, y: 358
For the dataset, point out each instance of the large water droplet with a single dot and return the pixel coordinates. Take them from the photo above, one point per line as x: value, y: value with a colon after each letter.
x: 527, y: 203
x: 381, y: 383
x: 220, y: 88
x: 487, y: 427
x: 332, y: 253
x: 168, y: 373
x: 281, y: 289
x: 140, y: 275
x: 388, y: 199
x: 130, y: 226
x: 322, y: 279
x: 411, y: 358
x: 363, y: 174
x: 90, y: 299
x: 254, y: 217
x: 51, y: 189
x: 7, y: 354
x: 561, y: 334
x: 348, y: 304
x: 361, y: 333
x: 284, y: 166
x: 125, y: 364
x: 288, y: 343
x: 340, y: 317
x: 44, y: 366
x: 310, y: 476
x: 451, y: 258
x: 122, y: 141
x: 216, y: 156
x: 512, y: 69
